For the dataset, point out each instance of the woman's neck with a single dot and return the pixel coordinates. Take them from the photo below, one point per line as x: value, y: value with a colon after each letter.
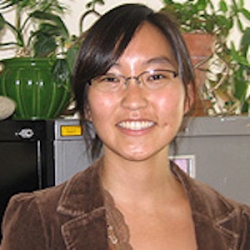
x: 140, y: 182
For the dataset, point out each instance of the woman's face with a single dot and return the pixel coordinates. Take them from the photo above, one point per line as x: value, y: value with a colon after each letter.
x: 136, y: 123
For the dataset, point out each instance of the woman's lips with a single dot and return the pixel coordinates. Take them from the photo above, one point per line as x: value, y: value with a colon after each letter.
x: 136, y: 125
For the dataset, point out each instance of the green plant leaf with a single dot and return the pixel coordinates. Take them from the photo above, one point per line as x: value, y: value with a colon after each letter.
x: 71, y: 57
x: 49, y: 30
x: 201, y: 4
x: 237, y: 57
x: 7, y: 3
x: 241, y: 3
x: 19, y: 3
x: 241, y: 87
x: 56, y: 20
x: 246, y: 13
x: 168, y: 2
x: 245, y: 107
x: 61, y: 72
x: 44, y: 45
x: 223, y: 6
x: 245, y: 41
x: 2, y: 22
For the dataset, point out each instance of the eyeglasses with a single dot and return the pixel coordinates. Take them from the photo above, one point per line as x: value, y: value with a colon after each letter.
x: 153, y: 79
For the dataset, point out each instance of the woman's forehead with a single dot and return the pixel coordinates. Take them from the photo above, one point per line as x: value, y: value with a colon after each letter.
x: 149, y: 46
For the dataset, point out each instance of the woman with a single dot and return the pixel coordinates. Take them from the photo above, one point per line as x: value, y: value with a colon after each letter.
x: 134, y: 82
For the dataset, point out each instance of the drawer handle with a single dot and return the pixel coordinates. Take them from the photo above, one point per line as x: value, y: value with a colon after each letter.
x: 25, y: 133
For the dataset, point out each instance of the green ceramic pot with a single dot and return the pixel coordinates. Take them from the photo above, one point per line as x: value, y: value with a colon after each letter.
x: 32, y: 85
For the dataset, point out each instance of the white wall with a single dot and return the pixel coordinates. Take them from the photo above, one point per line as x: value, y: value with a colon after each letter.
x: 77, y: 7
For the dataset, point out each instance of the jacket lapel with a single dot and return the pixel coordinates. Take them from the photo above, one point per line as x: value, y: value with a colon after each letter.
x: 86, y: 232
x: 82, y: 200
x: 212, y: 234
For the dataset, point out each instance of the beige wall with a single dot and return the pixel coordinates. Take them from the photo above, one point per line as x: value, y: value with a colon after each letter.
x: 77, y: 7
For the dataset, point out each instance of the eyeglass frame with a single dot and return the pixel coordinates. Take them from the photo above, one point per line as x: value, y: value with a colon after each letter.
x: 127, y: 79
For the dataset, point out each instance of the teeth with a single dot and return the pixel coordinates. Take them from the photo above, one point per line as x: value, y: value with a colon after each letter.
x: 136, y: 125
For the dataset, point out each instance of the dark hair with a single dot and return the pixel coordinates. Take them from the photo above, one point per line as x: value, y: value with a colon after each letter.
x: 105, y: 42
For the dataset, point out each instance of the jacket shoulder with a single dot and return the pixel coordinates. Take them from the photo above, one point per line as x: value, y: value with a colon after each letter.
x: 22, y: 225
x: 30, y: 219
x: 228, y: 215
x: 207, y: 202
x: 216, y: 201
x: 227, y: 222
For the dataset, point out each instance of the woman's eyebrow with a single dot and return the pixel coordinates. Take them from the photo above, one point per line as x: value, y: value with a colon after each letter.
x: 155, y: 60
x: 160, y: 60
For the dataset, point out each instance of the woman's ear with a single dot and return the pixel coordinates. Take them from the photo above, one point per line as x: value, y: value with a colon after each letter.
x: 190, y: 98
x: 87, y: 113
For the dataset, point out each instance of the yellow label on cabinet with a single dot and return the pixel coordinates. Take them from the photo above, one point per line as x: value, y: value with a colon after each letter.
x: 74, y: 130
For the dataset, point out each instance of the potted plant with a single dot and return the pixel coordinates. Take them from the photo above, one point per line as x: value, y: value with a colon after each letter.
x: 230, y: 86
x: 197, y: 17
x: 37, y: 78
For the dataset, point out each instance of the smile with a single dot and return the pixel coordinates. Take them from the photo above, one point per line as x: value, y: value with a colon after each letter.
x: 136, y: 125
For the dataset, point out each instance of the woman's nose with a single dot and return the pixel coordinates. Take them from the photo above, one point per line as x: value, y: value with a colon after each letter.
x: 134, y: 96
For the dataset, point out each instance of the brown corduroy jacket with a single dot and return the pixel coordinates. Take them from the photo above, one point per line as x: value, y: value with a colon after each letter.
x: 72, y: 216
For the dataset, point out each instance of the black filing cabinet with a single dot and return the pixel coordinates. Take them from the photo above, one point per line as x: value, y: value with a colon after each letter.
x: 26, y: 158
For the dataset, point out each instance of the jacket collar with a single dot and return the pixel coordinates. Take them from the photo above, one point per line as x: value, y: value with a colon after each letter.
x: 82, y: 193
x: 82, y: 199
